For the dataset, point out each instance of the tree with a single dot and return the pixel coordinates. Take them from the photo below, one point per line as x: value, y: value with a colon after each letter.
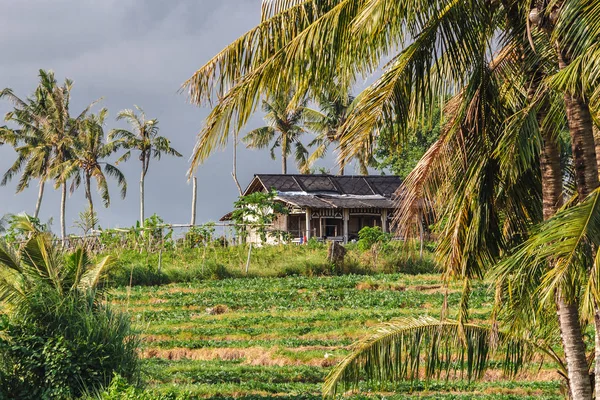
x: 33, y: 152
x: 327, y: 124
x: 256, y: 212
x: 90, y: 150
x: 143, y: 138
x: 482, y: 176
x: 60, y: 132
x: 284, y: 130
x: 401, y: 160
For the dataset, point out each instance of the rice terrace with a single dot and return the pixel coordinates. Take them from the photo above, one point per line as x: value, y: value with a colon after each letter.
x: 300, y: 199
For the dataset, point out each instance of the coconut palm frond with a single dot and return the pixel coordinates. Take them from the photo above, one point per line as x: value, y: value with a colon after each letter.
x: 412, y: 349
x: 93, y: 274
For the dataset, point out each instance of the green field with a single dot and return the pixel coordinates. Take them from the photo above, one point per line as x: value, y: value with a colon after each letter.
x: 279, y: 337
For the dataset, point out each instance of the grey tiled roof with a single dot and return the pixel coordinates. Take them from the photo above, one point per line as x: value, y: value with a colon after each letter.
x: 332, y: 184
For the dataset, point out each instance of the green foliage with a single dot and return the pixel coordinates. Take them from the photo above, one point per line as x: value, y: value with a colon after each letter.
x: 199, y: 235
x: 121, y: 389
x: 369, y: 236
x: 257, y: 211
x: 401, y: 159
x: 214, y: 262
x: 19, y: 227
x: 57, y: 337
x: 396, y: 351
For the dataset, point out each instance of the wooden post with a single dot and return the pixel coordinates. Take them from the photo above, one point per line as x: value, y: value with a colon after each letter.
x: 321, y: 227
x: 384, y: 220
x: 194, y: 197
x: 346, y: 219
x: 248, y: 260
x: 308, y: 217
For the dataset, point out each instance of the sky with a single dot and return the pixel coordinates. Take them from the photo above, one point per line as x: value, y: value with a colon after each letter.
x: 131, y: 52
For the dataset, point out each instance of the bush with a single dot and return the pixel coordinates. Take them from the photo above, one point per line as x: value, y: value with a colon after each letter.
x: 56, y: 347
x: 58, y: 338
x: 369, y: 236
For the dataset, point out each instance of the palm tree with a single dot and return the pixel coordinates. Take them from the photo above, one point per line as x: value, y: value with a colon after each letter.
x: 327, y: 123
x: 33, y: 152
x: 325, y: 43
x: 60, y: 132
x: 284, y: 129
x: 89, y: 154
x: 144, y: 139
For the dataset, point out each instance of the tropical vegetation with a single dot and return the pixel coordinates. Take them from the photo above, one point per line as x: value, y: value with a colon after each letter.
x: 58, y: 337
x: 515, y: 75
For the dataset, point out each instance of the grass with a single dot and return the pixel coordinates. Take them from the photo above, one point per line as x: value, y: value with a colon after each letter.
x: 216, y: 262
x: 277, y: 336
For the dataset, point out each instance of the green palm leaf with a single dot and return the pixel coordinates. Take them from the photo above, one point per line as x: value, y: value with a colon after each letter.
x: 413, y: 349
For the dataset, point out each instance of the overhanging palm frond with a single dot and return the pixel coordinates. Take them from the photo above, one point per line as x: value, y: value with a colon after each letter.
x: 565, y: 243
x: 271, y: 8
x: 412, y: 349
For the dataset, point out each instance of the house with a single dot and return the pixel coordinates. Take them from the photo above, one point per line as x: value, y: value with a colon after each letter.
x: 326, y: 206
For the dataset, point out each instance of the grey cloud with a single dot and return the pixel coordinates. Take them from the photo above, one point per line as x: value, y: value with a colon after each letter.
x: 131, y: 52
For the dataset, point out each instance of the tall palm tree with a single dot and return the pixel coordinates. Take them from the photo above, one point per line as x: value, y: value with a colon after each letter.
x: 60, y: 132
x: 33, y: 152
x: 88, y: 161
x: 284, y: 130
x: 327, y: 123
x: 325, y: 43
x: 143, y: 138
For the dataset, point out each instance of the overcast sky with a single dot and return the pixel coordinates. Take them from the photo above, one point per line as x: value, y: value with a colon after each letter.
x: 130, y: 52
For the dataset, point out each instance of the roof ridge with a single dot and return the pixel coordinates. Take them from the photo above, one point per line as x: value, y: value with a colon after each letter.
x: 336, y: 184
x: 301, y: 186
x: 369, y: 185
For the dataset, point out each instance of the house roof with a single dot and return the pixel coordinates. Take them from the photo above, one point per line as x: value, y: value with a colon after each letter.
x: 327, y: 184
x: 328, y: 191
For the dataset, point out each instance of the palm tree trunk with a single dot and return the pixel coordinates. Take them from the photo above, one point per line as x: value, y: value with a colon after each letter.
x: 586, y: 177
x: 574, y: 348
x: 38, y: 204
x: 88, y: 194
x: 552, y: 188
x: 63, y: 202
x: 284, y: 153
x: 568, y: 314
x: 597, y: 143
x: 142, y: 177
x: 583, y: 145
x: 234, y: 172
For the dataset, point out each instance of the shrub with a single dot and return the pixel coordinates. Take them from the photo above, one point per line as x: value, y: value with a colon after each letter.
x: 58, y: 339
x: 369, y: 236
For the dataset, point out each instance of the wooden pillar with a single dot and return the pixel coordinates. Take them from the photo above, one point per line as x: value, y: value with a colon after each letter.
x: 308, y: 216
x: 346, y: 219
x: 321, y: 227
x: 384, y: 220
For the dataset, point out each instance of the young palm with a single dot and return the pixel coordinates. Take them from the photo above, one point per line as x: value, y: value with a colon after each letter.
x: 88, y: 161
x: 38, y: 264
x: 284, y: 130
x: 143, y: 138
